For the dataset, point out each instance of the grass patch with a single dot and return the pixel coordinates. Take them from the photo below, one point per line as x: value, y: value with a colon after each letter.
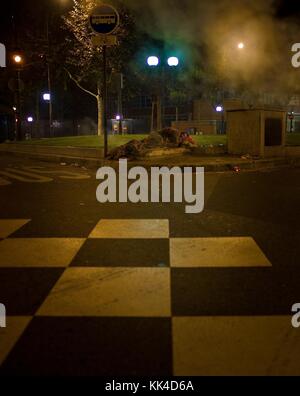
x: 83, y: 141
x: 113, y: 141
x: 207, y: 140
x: 293, y: 139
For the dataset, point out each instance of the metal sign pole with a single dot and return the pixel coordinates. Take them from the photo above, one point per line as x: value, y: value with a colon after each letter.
x: 105, y: 103
x: 104, y: 21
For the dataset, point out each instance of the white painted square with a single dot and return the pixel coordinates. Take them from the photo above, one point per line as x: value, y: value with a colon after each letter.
x: 216, y: 252
x: 131, y: 229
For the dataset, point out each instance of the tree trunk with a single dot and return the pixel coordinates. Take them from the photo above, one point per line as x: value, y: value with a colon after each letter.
x: 100, y: 115
x: 156, y: 122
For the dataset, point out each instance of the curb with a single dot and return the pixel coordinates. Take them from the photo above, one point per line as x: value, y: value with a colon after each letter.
x: 219, y: 165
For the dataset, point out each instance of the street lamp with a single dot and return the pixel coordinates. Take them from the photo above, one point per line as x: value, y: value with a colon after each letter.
x: 220, y: 109
x: 30, y: 120
x: 173, y: 61
x: 47, y: 97
x: 120, y: 127
x: 241, y: 46
x: 153, y: 61
x: 18, y: 60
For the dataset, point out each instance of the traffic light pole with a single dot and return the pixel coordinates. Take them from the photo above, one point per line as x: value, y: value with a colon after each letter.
x: 105, y: 102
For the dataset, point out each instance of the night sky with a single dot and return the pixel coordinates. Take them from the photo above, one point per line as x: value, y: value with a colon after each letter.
x: 26, y: 10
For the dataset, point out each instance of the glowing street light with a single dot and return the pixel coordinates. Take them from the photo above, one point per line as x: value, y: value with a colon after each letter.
x: 219, y: 109
x: 47, y: 97
x: 17, y: 59
x: 30, y: 119
x: 173, y: 61
x: 241, y: 46
x: 153, y: 61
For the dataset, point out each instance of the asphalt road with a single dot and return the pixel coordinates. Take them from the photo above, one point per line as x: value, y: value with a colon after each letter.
x: 60, y: 202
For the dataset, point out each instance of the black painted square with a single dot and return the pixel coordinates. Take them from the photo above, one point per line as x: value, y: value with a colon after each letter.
x: 92, y: 347
x: 23, y: 290
x: 232, y: 291
x: 123, y: 253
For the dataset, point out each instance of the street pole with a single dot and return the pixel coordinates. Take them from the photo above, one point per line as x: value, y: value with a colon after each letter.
x: 50, y: 101
x: 223, y: 123
x: 104, y: 20
x: 177, y: 113
x: 37, y: 114
x: 120, y: 104
x: 18, y: 112
x: 161, y: 120
x: 159, y: 113
x: 49, y: 78
x: 105, y: 102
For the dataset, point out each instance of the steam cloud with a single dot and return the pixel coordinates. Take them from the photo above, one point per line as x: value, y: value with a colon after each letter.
x: 218, y: 26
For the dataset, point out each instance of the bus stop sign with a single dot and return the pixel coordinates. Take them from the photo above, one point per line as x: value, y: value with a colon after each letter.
x: 104, y: 19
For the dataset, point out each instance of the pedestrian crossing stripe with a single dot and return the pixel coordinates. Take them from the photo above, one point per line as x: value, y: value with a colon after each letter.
x: 23, y: 176
x: 37, y: 174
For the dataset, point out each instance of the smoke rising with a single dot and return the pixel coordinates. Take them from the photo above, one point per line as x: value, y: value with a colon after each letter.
x: 218, y: 26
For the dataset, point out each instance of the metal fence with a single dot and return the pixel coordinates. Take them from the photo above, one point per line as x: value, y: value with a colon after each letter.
x: 83, y: 127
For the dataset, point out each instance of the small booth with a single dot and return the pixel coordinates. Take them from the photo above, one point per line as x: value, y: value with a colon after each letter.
x: 257, y: 132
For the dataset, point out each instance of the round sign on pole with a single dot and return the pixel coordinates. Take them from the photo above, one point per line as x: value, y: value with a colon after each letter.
x: 104, y: 19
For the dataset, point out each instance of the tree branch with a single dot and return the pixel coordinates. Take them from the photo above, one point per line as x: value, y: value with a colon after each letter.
x: 79, y: 85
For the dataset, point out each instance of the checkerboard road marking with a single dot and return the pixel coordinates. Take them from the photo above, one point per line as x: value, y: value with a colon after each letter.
x: 9, y: 335
x: 39, y: 252
x: 9, y: 226
x: 216, y: 252
x: 131, y: 229
x: 235, y: 345
x: 110, y: 292
x: 200, y: 345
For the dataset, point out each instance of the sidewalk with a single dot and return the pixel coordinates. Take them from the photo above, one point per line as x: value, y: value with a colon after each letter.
x: 93, y: 158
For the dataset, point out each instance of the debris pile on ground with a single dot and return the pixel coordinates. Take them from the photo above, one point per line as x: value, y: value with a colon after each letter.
x: 170, y: 135
x: 131, y: 150
x: 185, y: 140
x: 166, y: 138
x: 236, y: 169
